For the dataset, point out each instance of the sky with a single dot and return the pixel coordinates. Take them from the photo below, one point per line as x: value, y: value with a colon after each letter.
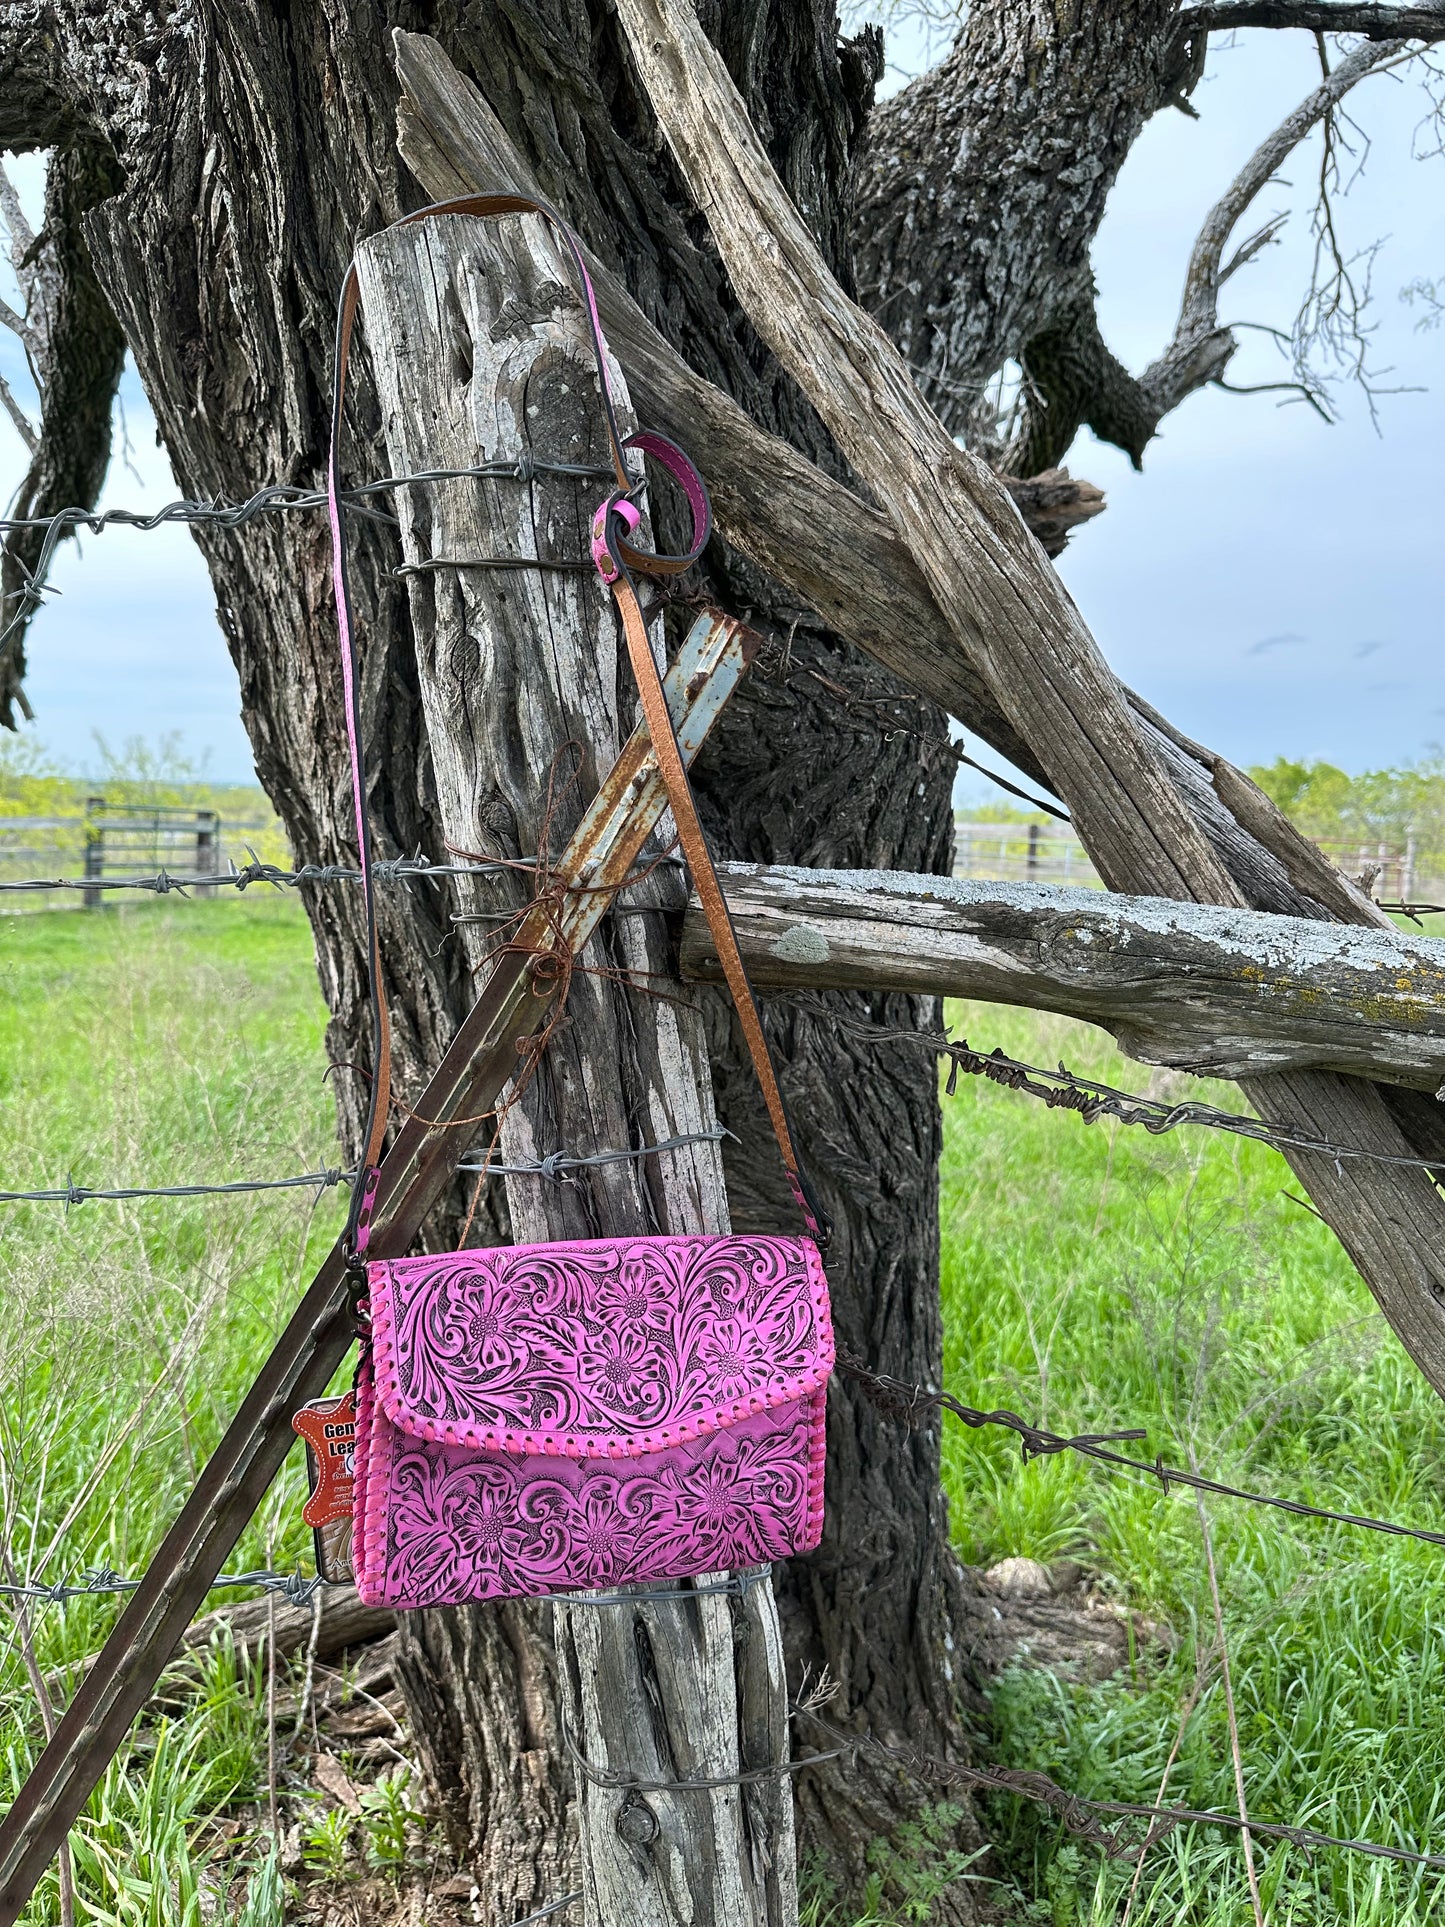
x: 1273, y: 583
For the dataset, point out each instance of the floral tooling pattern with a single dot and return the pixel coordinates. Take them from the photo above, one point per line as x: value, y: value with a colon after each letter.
x: 609, y: 1349
x: 441, y: 1524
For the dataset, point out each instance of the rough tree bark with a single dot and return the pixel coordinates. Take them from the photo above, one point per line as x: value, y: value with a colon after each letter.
x: 253, y: 146
x: 76, y: 352
x: 985, y: 182
x: 981, y: 193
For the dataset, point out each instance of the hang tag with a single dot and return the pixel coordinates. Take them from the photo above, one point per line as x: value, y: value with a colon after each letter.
x: 328, y: 1425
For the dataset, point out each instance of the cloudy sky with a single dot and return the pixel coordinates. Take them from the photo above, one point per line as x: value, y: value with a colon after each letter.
x: 1273, y: 583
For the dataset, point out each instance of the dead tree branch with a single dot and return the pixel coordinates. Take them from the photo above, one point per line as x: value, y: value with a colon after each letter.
x: 76, y: 352
x: 1074, y: 379
x: 1222, y: 993
x: 1200, y: 348
x: 1005, y: 607
x: 1425, y: 22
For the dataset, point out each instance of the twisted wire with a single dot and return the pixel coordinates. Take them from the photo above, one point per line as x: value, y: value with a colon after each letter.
x: 73, y: 1194
x: 1065, y: 1090
x: 904, y: 1401
x: 276, y: 497
x: 298, y: 1588
x: 553, y: 1168
x: 384, y: 870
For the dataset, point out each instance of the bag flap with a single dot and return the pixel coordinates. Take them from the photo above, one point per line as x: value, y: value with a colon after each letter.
x: 603, y: 1349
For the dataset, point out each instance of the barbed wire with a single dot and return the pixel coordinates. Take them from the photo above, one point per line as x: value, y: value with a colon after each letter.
x: 284, y: 496
x: 297, y: 1588
x: 384, y: 870
x: 553, y: 1168
x: 546, y: 1912
x: 1078, y: 1813
x: 1064, y: 1090
x: 902, y: 1400
x: 75, y: 1194
x: 273, y: 499
x: 241, y: 877
x: 621, y: 1782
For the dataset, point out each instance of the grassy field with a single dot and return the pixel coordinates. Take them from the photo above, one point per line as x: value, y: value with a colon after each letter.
x: 1094, y: 1278
x: 149, y: 1045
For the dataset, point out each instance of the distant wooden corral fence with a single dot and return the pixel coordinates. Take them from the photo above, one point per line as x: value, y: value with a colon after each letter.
x: 116, y: 840
x: 1039, y: 853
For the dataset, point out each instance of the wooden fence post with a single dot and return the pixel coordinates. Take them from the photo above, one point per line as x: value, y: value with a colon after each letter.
x: 94, y: 849
x: 480, y: 354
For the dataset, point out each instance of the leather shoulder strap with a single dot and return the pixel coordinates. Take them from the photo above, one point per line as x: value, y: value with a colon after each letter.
x: 615, y: 521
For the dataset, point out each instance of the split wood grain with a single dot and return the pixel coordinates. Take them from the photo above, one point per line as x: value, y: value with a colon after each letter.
x: 481, y: 354
x: 1220, y: 992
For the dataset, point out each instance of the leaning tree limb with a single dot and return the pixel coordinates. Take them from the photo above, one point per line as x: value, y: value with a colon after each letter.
x: 1075, y: 380
x: 1008, y: 611
x: 1424, y: 22
x: 1029, y: 642
x: 841, y: 558
x: 1221, y: 993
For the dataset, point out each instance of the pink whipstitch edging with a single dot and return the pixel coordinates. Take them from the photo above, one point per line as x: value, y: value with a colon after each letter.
x: 446, y: 1524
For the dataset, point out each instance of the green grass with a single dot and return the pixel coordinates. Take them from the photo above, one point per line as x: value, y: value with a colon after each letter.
x: 1094, y: 1277
x: 148, y: 1045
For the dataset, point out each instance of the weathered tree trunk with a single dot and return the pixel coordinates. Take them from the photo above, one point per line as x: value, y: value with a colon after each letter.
x: 482, y: 354
x: 254, y: 145
x: 982, y: 190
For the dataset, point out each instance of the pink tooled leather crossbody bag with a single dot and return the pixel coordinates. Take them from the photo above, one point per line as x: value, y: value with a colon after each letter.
x: 538, y: 1418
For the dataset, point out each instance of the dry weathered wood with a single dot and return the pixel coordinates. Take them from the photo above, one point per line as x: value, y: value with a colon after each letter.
x: 885, y: 1579
x: 1222, y: 992
x: 809, y: 531
x: 480, y: 352
x: 1010, y: 613
x: 344, y: 1622
x: 1029, y: 642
